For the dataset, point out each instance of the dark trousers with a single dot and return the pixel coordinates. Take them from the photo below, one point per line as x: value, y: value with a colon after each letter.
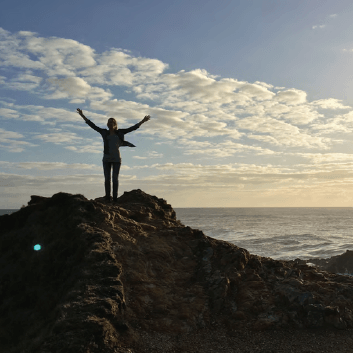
x: 107, y: 166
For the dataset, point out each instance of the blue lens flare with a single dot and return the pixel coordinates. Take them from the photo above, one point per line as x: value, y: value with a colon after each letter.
x: 37, y: 247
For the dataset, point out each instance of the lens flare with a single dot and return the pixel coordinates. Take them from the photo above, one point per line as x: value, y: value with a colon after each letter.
x: 37, y: 247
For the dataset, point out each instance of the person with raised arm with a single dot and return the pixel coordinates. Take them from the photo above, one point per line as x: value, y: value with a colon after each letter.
x: 112, y: 139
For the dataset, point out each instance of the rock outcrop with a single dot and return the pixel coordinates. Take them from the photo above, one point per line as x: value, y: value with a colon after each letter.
x: 342, y: 264
x: 108, y: 274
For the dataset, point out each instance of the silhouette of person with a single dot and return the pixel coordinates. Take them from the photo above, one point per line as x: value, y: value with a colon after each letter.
x: 112, y: 139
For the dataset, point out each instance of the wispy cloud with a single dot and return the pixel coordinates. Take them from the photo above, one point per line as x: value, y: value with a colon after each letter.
x: 318, y: 26
x: 13, y: 142
x: 47, y: 165
x: 150, y: 155
x: 42, y: 166
x: 322, y: 26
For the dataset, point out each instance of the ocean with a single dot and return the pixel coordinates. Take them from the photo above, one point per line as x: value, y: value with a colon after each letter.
x: 279, y: 233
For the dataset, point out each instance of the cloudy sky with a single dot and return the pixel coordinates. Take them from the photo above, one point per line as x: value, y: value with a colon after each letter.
x: 251, y: 102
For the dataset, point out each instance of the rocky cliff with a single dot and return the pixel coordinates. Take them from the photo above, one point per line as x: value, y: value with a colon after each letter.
x: 110, y: 276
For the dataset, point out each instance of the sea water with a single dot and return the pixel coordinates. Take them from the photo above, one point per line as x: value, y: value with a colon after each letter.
x: 279, y: 233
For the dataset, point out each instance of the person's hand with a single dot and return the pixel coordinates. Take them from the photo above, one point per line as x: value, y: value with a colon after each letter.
x: 79, y: 111
x: 146, y: 118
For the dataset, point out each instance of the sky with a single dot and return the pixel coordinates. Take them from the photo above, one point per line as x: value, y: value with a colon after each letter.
x: 251, y: 102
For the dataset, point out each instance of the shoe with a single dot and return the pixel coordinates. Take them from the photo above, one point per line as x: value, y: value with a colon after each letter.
x: 107, y: 198
x: 115, y: 199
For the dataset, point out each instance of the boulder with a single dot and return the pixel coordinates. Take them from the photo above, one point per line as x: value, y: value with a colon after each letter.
x: 342, y: 263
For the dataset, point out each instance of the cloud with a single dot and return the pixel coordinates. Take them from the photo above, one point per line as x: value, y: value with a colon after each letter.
x: 302, y: 115
x: 150, y: 155
x: 78, y: 101
x: 48, y: 165
x: 318, y: 26
x: 319, y: 158
x: 28, y: 77
x: 94, y: 147
x: 76, y: 87
x: 169, y: 124
x: 291, y: 96
x: 332, y: 16
x: 280, y: 133
x: 8, y: 113
x: 258, y: 91
x: 330, y: 103
x: 48, y: 115
x: 12, y: 141
x: 73, y: 63
x: 221, y: 150
x: 55, y: 183
x: 11, y: 52
x: 58, y: 138
x: 342, y: 123
x: 116, y: 67
x: 42, y: 182
x: 200, y: 86
x: 23, y: 81
x: 121, y: 109
x: 59, y: 56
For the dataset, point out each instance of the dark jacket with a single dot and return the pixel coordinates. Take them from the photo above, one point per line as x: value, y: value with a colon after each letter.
x: 119, y: 132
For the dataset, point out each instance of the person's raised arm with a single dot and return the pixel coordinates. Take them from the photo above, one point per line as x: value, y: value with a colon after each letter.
x: 81, y: 113
x: 146, y: 118
x: 136, y: 126
x: 88, y: 122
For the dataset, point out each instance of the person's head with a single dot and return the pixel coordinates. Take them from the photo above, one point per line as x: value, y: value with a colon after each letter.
x: 112, y: 124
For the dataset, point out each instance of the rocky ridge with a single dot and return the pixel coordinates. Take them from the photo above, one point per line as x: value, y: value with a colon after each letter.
x: 111, y: 277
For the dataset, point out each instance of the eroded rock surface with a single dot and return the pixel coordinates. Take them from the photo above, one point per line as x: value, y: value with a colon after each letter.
x: 108, y: 274
x: 342, y: 263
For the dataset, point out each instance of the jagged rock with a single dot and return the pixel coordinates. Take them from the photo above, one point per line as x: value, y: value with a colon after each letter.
x: 340, y: 263
x: 109, y: 274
